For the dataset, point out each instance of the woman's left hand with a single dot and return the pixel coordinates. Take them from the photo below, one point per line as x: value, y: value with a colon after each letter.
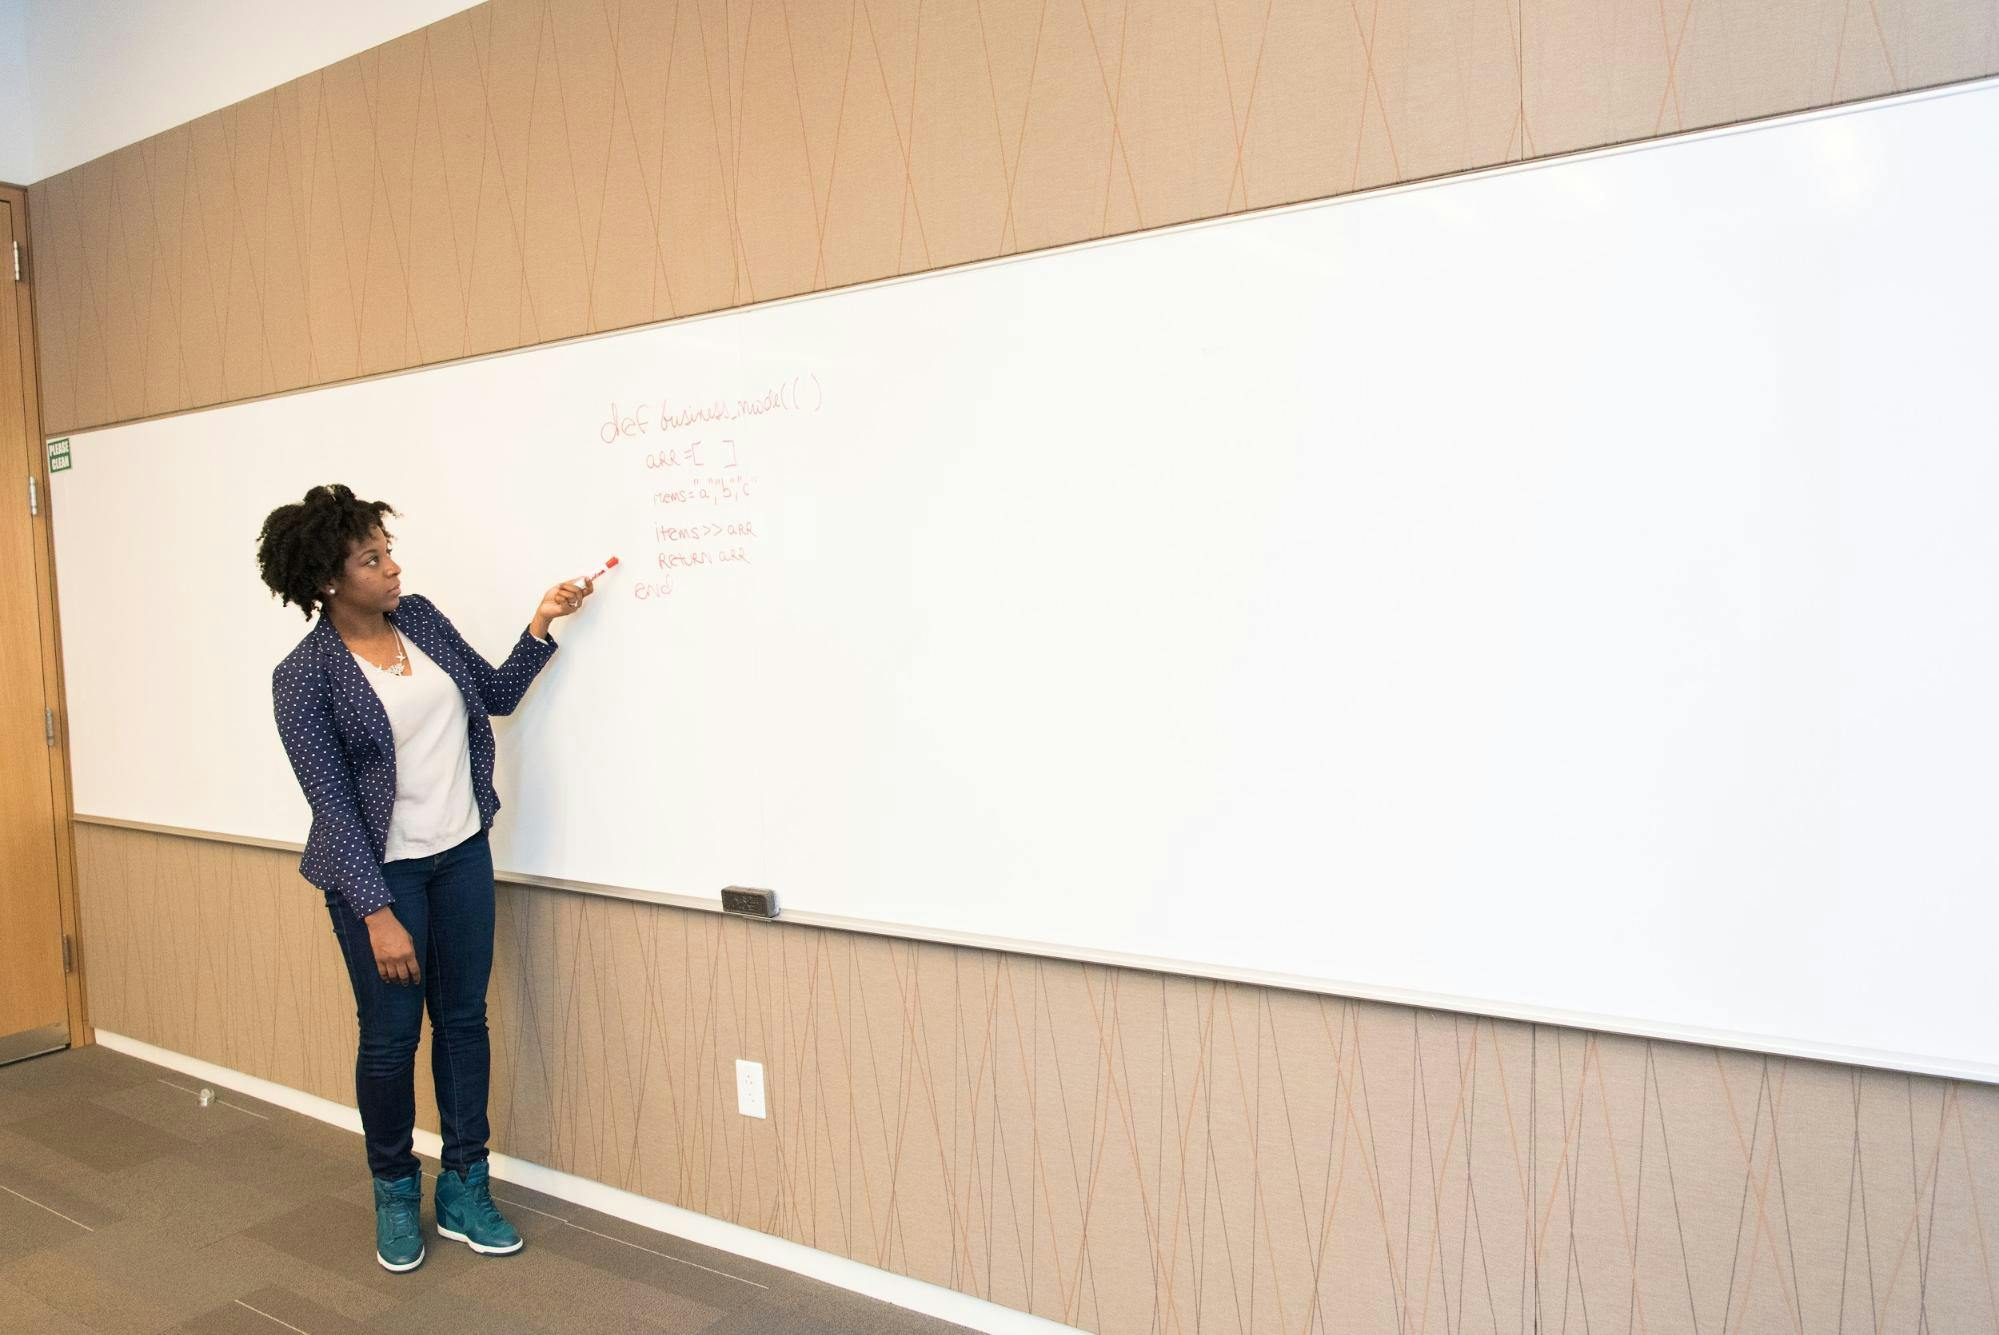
x: 559, y: 601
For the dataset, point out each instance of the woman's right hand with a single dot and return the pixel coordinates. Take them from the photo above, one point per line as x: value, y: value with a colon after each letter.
x: 395, y: 953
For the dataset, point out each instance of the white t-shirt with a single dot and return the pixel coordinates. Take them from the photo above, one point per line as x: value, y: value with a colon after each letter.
x: 434, y: 808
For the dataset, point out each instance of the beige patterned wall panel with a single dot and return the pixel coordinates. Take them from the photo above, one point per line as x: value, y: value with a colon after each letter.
x: 1122, y: 1150
x: 1126, y: 1151
x: 1609, y: 71
x: 533, y: 169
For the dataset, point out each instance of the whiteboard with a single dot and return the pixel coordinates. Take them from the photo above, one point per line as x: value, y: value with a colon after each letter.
x: 1565, y: 592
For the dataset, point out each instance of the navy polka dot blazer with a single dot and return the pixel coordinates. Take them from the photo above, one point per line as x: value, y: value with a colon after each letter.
x: 337, y: 735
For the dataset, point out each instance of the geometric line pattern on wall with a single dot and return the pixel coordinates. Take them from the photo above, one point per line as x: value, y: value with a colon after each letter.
x: 1122, y: 1150
x: 530, y: 170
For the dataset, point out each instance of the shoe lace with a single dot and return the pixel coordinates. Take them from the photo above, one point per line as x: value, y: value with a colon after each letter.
x: 480, y: 1198
x: 402, y: 1216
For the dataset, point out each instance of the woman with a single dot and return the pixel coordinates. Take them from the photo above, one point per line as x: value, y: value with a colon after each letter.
x: 384, y: 709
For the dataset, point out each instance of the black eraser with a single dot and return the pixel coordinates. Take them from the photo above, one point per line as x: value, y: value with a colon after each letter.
x: 750, y: 903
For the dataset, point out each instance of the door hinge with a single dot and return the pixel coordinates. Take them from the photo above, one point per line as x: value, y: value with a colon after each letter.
x: 34, y: 496
x: 49, y: 726
x: 68, y: 955
x: 17, y: 261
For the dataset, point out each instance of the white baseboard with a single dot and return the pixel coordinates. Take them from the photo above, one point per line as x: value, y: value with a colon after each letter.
x: 901, y: 1290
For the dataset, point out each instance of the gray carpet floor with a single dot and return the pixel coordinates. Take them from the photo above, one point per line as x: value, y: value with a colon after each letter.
x: 127, y: 1207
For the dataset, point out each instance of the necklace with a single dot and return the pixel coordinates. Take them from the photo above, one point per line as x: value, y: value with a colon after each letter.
x: 399, y: 668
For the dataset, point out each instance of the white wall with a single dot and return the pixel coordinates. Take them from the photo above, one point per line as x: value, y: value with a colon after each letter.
x: 1160, y: 631
x: 105, y: 73
x: 17, y: 126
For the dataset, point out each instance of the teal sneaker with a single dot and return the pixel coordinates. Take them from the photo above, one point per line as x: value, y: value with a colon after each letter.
x: 398, y: 1239
x: 466, y: 1213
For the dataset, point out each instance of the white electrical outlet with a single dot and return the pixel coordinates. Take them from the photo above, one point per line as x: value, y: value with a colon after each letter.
x: 750, y: 1088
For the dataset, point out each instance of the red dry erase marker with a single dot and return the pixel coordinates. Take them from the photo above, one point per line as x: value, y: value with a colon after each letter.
x: 600, y: 574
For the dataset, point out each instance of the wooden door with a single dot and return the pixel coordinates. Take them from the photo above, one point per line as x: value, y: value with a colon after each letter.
x: 34, y: 997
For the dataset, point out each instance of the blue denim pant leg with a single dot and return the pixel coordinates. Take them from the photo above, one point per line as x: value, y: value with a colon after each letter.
x: 445, y: 903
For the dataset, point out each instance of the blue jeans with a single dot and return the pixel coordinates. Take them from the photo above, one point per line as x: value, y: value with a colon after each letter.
x: 445, y: 903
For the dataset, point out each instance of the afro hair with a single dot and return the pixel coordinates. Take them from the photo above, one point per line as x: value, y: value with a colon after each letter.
x: 303, y: 547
